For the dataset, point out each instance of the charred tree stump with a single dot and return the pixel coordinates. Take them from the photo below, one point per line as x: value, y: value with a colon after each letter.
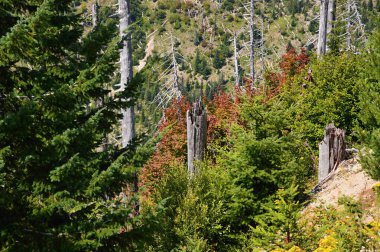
x: 332, y: 151
x: 196, y: 135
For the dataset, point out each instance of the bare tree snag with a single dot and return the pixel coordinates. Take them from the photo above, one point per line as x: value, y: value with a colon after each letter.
x: 196, y: 135
x: 126, y: 71
x: 175, y: 68
x: 348, y: 26
x: 321, y: 48
x: 355, y: 28
x: 332, y: 151
x: 236, y: 61
x: 331, y: 17
x: 171, y: 87
x: 95, y: 10
x: 262, y: 49
x: 252, y: 41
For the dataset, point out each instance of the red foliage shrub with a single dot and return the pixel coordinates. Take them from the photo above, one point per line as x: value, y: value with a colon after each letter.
x: 221, y: 113
x: 291, y: 64
x: 172, y: 147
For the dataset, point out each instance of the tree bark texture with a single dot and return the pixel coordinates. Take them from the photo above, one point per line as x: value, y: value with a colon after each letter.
x: 126, y: 71
x: 196, y: 135
x: 321, y: 48
x: 332, y: 151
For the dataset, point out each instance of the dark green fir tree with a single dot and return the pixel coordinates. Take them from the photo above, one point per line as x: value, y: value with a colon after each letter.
x: 59, y: 188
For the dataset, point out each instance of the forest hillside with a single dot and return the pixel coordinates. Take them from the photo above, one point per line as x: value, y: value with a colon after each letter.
x: 190, y: 125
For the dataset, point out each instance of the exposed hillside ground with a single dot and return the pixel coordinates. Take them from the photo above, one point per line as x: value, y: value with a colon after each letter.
x: 148, y: 52
x: 352, y: 181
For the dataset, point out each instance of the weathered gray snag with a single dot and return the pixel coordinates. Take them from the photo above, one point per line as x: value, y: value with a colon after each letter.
x: 175, y: 68
x: 236, y: 60
x: 262, y: 46
x: 348, y: 26
x: 126, y: 71
x: 321, y: 48
x: 196, y: 135
x: 252, y: 41
x: 95, y: 9
x: 332, y: 151
x: 331, y: 17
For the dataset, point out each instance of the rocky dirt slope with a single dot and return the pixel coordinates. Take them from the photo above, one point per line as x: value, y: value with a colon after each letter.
x: 348, y: 180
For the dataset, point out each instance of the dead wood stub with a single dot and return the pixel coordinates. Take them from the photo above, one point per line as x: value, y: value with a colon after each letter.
x: 332, y: 151
x: 196, y: 135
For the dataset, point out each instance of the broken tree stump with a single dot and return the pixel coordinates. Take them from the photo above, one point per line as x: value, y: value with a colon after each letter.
x: 196, y: 135
x: 332, y: 151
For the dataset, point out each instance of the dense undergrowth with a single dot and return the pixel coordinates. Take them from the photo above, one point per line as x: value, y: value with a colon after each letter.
x: 63, y: 189
x: 261, y: 161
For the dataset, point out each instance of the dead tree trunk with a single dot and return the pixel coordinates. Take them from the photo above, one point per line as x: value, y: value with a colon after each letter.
x: 331, y: 17
x: 348, y: 26
x: 95, y: 9
x: 262, y: 44
x: 126, y: 71
x: 175, y: 70
x: 252, y: 41
x: 332, y: 151
x: 321, y: 49
x: 196, y: 135
x: 236, y: 60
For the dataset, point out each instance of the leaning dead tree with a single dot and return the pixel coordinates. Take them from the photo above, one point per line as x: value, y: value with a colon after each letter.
x: 126, y: 71
x: 332, y: 151
x: 322, y: 35
x: 196, y: 135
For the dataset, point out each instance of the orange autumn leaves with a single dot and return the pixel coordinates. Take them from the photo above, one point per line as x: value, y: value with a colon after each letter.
x: 222, y: 111
x: 172, y: 149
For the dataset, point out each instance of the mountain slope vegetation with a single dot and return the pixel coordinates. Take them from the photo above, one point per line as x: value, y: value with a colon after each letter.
x: 67, y: 184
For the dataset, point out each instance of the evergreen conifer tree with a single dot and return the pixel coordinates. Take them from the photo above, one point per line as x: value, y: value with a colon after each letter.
x: 370, y: 112
x: 57, y: 189
x: 279, y: 224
